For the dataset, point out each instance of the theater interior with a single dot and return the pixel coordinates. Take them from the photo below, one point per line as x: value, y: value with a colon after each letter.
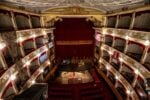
x: 74, y: 49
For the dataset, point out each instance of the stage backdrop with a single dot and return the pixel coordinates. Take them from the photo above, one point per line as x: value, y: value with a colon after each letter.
x: 74, y: 37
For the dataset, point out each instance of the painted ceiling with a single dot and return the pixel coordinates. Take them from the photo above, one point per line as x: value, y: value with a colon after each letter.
x: 101, y: 5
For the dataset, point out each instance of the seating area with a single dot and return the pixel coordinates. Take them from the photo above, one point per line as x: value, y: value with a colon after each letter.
x: 128, y: 76
x: 8, y: 57
x: 120, y: 48
x: 134, y: 55
x: 121, y: 90
x: 141, y: 93
x: 105, y: 55
x: 115, y: 65
x: 27, y: 51
x: 108, y: 40
x: 96, y: 90
x: 85, y: 91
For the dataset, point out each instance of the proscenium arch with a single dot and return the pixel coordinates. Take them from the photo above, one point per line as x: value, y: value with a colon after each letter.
x: 52, y: 14
x: 53, y: 9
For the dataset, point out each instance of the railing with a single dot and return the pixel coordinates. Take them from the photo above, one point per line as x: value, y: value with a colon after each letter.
x: 143, y: 72
x: 5, y: 78
x: 120, y: 78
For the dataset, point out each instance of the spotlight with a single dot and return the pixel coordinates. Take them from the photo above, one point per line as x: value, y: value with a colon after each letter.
x: 46, y: 49
x: 102, y: 48
x: 20, y: 39
x: 2, y: 45
x: 127, y: 37
x: 100, y: 60
x: 107, y: 68
x: 110, y: 52
x: 44, y: 33
x: 120, y: 59
x: 12, y: 77
x: 113, y: 34
x: 41, y: 70
x: 38, y: 55
x: 116, y: 77
x: 33, y: 82
x: 136, y: 72
x: 33, y: 35
x: 27, y: 63
x: 104, y: 31
x: 48, y: 63
x: 147, y: 42
x: 128, y: 92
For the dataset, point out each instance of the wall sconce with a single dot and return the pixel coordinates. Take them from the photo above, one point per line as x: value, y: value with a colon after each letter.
x: 2, y: 45
x: 12, y: 77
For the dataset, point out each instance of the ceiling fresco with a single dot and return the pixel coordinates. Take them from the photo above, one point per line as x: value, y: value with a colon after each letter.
x: 101, y: 5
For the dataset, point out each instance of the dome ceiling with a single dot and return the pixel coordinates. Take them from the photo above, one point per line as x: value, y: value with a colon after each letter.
x: 101, y: 5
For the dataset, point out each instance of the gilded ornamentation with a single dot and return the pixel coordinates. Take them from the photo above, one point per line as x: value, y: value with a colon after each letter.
x: 101, y: 5
x: 75, y: 11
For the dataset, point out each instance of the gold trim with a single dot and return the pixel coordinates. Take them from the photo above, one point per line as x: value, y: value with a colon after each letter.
x: 79, y: 42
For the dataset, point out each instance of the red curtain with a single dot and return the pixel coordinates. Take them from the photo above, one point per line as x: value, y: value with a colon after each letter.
x: 74, y: 29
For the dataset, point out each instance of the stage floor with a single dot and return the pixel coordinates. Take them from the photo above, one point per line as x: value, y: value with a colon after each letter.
x: 74, y: 77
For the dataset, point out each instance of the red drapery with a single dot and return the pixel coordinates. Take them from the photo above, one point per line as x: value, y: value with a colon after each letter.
x: 74, y: 29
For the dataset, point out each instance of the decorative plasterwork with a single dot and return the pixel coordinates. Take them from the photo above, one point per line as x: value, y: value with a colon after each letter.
x: 75, y: 10
x: 101, y: 5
